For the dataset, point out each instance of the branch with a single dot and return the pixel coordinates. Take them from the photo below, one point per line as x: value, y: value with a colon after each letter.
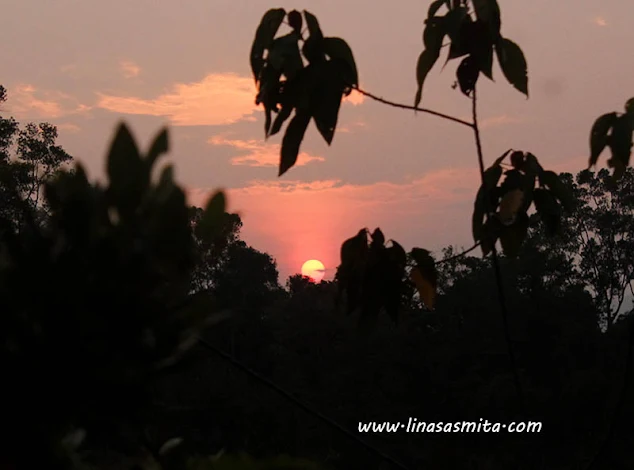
x: 496, y: 263
x: 413, y: 108
x: 446, y: 260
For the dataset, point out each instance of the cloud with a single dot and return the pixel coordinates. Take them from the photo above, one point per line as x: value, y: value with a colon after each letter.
x: 129, y: 69
x: 257, y: 153
x: 295, y: 220
x: 217, y: 99
x: 497, y: 121
x: 68, y: 127
x: 25, y: 101
x: 599, y: 21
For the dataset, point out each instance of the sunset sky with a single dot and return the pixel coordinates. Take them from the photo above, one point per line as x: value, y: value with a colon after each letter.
x: 84, y: 65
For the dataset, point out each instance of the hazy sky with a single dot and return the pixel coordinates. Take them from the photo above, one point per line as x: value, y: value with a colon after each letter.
x: 85, y: 65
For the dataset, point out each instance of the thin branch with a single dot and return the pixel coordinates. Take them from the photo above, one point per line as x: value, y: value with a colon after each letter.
x: 496, y: 263
x: 413, y: 108
x: 300, y: 404
x: 446, y: 260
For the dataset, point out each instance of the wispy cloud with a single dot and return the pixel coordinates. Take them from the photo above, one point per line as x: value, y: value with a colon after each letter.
x: 129, y: 69
x: 599, y: 21
x: 497, y: 121
x: 26, y: 101
x: 355, y: 98
x: 257, y: 153
x: 217, y: 99
x: 68, y: 127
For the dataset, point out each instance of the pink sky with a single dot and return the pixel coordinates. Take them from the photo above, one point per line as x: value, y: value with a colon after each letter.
x: 85, y: 65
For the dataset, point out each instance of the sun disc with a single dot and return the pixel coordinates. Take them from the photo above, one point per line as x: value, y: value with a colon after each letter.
x: 314, y: 269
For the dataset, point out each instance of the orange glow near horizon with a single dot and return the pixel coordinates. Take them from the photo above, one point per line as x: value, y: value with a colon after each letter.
x: 314, y: 269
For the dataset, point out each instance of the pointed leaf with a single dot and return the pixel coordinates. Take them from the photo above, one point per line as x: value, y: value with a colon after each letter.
x: 434, y: 7
x: 488, y: 11
x: 426, y: 61
x: 313, y: 25
x: 339, y: 50
x: 433, y: 34
x: 326, y: 102
x: 629, y: 107
x: 491, y: 232
x: 378, y: 239
x: 264, y: 35
x: 126, y: 172
x: 284, y: 55
x: 513, y: 64
x: 159, y: 147
x: 210, y: 224
x: 599, y: 136
x: 292, y: 140
x: 467, y: 74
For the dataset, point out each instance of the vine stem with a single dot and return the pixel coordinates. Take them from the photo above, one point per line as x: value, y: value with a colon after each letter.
x: 413, y: 108
x: 496, y: 262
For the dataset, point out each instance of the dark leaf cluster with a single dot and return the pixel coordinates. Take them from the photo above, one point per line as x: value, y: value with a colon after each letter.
x: 501, y: 210
x: 474, y: 34
x: 613, y: 130
x: 309, y: 83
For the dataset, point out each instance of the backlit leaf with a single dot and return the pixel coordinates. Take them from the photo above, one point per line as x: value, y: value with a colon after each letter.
x: 210, y: 224
x: 513, y: 64
x: 599, y: 136
x: 126, y: 171
x: 292, y: 140
x: 425, y: 276
x: 629, y: 107
x: 425, y: 289
x: 621, y: 145
x: 434, y: 7
x: 433, y: 34
x: 510, y: 204
x: 313, y: 25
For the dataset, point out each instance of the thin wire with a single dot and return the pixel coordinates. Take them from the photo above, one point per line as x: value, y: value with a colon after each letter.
x: 301, y: 404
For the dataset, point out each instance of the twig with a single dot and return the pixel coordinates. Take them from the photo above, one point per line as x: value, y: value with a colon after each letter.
x: 446, y: 260
x: 496, y: 263
x: 413, y: 108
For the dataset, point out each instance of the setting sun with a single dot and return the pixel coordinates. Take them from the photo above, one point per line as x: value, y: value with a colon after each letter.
x: 314, y: 269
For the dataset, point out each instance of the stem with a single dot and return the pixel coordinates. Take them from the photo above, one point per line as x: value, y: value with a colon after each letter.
x: 413, y: 108
x: 496, y: 263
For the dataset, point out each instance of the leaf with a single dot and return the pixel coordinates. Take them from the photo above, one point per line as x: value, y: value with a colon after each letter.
x: 159, y: 147
x: 488, y: 11
x: 620, y: 143
x: 326, y: 102
x: 629, y: 107
x: 599, y: 136
x: 512, y: 236
x: 313, y: 25
x: 284, y: 55
x: 481, y: 47
x: 467, y: 74
x: 354, y: 250
x: 491, y: 177
x: 210, y: 224
x: 433, y: 34
x: 378, y: 239
x: 264, y: 35
x: 434, y: 7
x: 426, y: 61
x: 491, y: 231
x: 339, y: 50
x: 425, y: 276
x: 558, y: 189
x: 292, y: 140
x: 548, y: 209
x: 513, y: 64
x: 397, y: 253
x: 510, y: 204
x: 126, y: 172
